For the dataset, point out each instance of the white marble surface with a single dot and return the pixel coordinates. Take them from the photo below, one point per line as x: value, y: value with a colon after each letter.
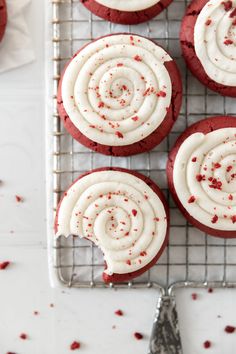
x: 83, y: 315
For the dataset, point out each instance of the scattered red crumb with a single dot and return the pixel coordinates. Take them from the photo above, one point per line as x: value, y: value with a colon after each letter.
x: 134, y: 212
x: 119, y: 134
x: 191, y: 199
x: 207, y: 344
x: 229, y: 329
x: 233, y: 218
x: 4, y: 265
x: 135, y: 118
x: 51, y: 305
x: 228, y: 42
x: 230, y: 197
x: 227, y: 5
x: 101, y: 104
x: 137, y: 58
x: 23, y: 336
x: 138, y: 335
x: 214, y: 219
x: 208, y: 22
x: 194, y: 296
x: 161, y: 94
x: 128, y: 262
x: 119, y: 313
x: 143, y: 253
x: 19, y: 199
x: 36, y: 313
x: 200, y: 178
x: 194, y: 159
x: 210, y: 290
x: 10, y: 353
x: 217, y: 165
x: 75, y: 345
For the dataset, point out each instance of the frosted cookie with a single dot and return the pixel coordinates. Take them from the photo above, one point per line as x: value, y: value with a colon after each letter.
x: 208, y: 43
x: 3, y: 18
x: 120, y: 95
x: 126, y: 12
x: 124, y: 213
x: 202, y: 175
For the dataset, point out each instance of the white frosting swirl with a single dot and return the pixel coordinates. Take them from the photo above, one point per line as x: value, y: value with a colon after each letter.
x: 215, y: 40
x: 205, y: 178
x: 129, y: 6
x: 118, y: 212
x: 116, y: 90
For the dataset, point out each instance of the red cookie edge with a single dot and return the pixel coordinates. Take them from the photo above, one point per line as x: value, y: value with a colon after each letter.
x: 125, y: 17
x: 3, y: 18
x: 204, y: 126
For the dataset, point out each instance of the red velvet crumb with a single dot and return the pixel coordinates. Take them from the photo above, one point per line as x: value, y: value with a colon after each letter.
x: 120, y: 135
x: 137, y: 58
x: 19, y: 199
x: 138, y: 335
x: 134, y: 212
x: 119, y: 313
x: 228, y: 42
x: 161, y: 94
x: 214, y: 219
x: 191, y: 199
x: 23, y: 336
x: 207, y: 344
x: 194, y: 296
x: 217, y: 165
x: 4, y: 265
x: 233, y: 218
x: 210, y: 290
x: 227, y: 5
x: 208, y: 22
x: 75, y: 345
x: 200, y: 178
x: 229, y: 329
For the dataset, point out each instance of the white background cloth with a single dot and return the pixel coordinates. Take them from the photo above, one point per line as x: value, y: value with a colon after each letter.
x: 84, y: 315
x: 16, y: 46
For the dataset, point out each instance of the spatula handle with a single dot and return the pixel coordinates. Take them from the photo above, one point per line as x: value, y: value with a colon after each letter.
x: 165, y: 338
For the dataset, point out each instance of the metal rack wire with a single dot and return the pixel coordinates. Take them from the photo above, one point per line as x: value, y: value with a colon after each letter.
x: 192, y: 258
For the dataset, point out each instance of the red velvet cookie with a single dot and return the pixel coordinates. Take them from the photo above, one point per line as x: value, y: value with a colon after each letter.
x: 124, y: 213
x: 201, y: 173
x: 3, y: 18
x: 208, y: 43
x: 125, y: 12
x: 120, y: 95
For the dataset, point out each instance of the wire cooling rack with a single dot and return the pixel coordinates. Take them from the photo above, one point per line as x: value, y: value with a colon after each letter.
x: 191, y: 256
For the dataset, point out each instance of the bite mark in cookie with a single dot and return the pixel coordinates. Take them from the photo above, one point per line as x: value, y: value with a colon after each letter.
x: 100, y: 207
